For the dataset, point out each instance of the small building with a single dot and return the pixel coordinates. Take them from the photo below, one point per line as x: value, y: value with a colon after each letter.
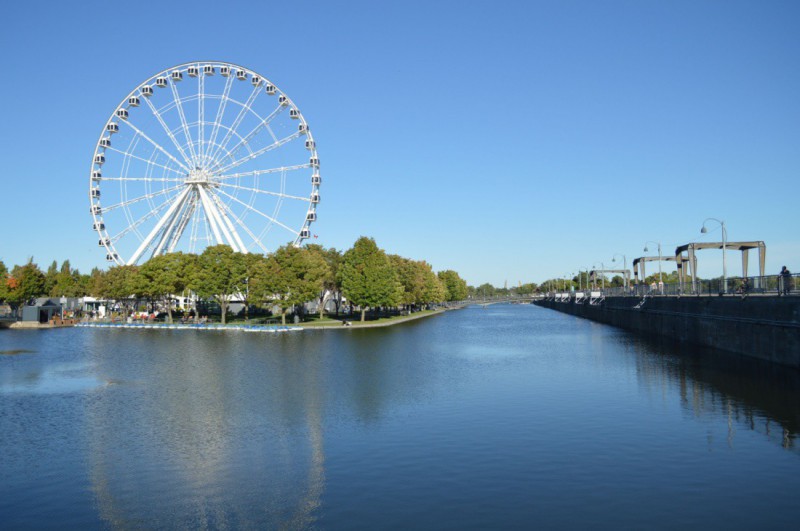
x: 41, y: 311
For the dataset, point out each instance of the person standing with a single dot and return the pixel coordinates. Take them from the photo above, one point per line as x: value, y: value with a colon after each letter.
x: 786, y: 280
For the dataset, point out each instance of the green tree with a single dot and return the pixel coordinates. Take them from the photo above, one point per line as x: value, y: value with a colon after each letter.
x: 410, y: 278
x: 433, y: 290
x: 221, y: 274
x: 119, y: 284
x: 289, y: 277
x: 50, y: 279
x: 455, y: 287
x: 164, y: 276
x: 367, y: 276
x: 27, y: 282
x: 485, y: 290
x: 331, y: 285
x: 67, y: 282
x: 3, y: 281
x: 94, y: 282
x: 253, y: 262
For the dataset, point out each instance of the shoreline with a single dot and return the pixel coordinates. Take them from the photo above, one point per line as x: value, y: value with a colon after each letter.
x: 337, y: 325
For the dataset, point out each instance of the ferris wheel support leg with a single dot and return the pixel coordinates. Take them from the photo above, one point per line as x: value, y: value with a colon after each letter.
x: 217, y: 226
x: 188, y: 212
x: 166, y: 217
x: 169, y: 232
x: 224, y: 214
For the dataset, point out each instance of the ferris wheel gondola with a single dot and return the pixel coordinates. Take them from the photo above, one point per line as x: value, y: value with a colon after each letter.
x: 200, y: 159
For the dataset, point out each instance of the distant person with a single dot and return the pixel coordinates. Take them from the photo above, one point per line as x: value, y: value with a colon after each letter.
x: 786, y: 279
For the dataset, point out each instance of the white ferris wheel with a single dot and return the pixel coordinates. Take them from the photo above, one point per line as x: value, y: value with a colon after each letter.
x: 200, y: 154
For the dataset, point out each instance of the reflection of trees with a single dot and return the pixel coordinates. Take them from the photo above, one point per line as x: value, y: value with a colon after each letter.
x: 748, y: 392
x: 208, y: 430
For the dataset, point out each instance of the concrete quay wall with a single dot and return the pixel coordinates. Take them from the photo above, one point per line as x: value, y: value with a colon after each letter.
x: 767, y: 328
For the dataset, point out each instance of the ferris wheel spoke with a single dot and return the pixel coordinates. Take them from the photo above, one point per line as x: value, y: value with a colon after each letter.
x: 149, y: 162
x: 133, y: 226
x: 141, y: 198
x: 156, y: 145
x: 260, y: 152
x: 184, y: 124
x: 256, y: 211
x: 220, y: 112
x: 265, y: 192
x: 256, y: 173
x: 244, y: 228
x: 249, y: 136
x: 201, y: 107
x: 146, y: 179
x: 246, y: 106
x: 165, y: 127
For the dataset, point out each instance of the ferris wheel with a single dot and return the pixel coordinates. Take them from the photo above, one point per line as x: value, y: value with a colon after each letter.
x: 200, y: 154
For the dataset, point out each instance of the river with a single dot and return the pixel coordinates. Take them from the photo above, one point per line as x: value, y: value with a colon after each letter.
x: 513, y: 416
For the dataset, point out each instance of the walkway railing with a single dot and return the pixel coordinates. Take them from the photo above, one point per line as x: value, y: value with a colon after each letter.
x: 773, y: 285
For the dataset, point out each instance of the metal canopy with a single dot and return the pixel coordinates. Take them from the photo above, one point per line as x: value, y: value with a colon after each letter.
x: 691, y: 259
x: 639, y: 272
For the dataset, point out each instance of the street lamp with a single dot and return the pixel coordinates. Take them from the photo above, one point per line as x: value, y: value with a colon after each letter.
x: 624, y: 266
x: 704, y: 230
x: 660, y: 283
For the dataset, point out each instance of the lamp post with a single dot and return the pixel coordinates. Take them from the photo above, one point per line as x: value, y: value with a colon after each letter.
x: 624, y: 266
x: 704, y: 230
x: 660, y: 283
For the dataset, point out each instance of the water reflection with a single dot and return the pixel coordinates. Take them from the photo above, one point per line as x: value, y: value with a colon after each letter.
x: 461, y: 418
x: 230, y: 433
x: 749, y: 393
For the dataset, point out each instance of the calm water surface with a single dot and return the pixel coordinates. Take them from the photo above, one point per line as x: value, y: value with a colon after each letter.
x: 511, y: 416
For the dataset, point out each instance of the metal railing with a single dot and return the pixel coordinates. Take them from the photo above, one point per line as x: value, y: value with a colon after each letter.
x: 742, y: 286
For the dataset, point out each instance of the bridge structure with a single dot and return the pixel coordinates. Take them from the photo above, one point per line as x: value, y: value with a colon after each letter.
x: 488, y: 301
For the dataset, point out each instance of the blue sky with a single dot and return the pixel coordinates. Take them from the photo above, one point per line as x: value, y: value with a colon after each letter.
x: 510, y: 141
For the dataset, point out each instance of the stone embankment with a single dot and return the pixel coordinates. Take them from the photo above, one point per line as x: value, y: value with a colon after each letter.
x: 767, y: 328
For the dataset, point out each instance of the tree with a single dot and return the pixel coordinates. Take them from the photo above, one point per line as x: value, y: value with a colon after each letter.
x: 290, y: 276
x: 3, y: 281
x: 26, y: 282
x: 94, y: 282
x: 331, y: 285
x: 410, y: 279
x: 485, y: 290
x: 119, y: 283
x: 455, y: 287
x: 433, y: 288
x: 221, y: 274
x: 367, y: 276
x: 67, y: 282
x: 50, y: 279
x: 164, y: 276
x: 252, y: 264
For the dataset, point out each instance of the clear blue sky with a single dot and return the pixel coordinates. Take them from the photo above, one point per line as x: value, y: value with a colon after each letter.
x: 506, y: 140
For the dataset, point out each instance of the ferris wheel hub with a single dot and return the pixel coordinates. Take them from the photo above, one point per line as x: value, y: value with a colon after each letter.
x: 198, y: 176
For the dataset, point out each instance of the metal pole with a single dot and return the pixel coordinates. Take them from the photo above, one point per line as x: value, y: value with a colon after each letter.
x: 660, y: 282
x: 724, y: 269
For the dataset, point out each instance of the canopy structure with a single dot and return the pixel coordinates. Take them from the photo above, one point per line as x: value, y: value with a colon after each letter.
x: 639, y: 272
x: 624, y: 272
x: 691, y: 259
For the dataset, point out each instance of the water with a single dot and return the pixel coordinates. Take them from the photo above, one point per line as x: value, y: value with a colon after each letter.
x: 506, y: 417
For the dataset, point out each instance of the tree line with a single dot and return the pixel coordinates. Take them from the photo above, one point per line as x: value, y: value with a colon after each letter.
x: 364, y: 275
